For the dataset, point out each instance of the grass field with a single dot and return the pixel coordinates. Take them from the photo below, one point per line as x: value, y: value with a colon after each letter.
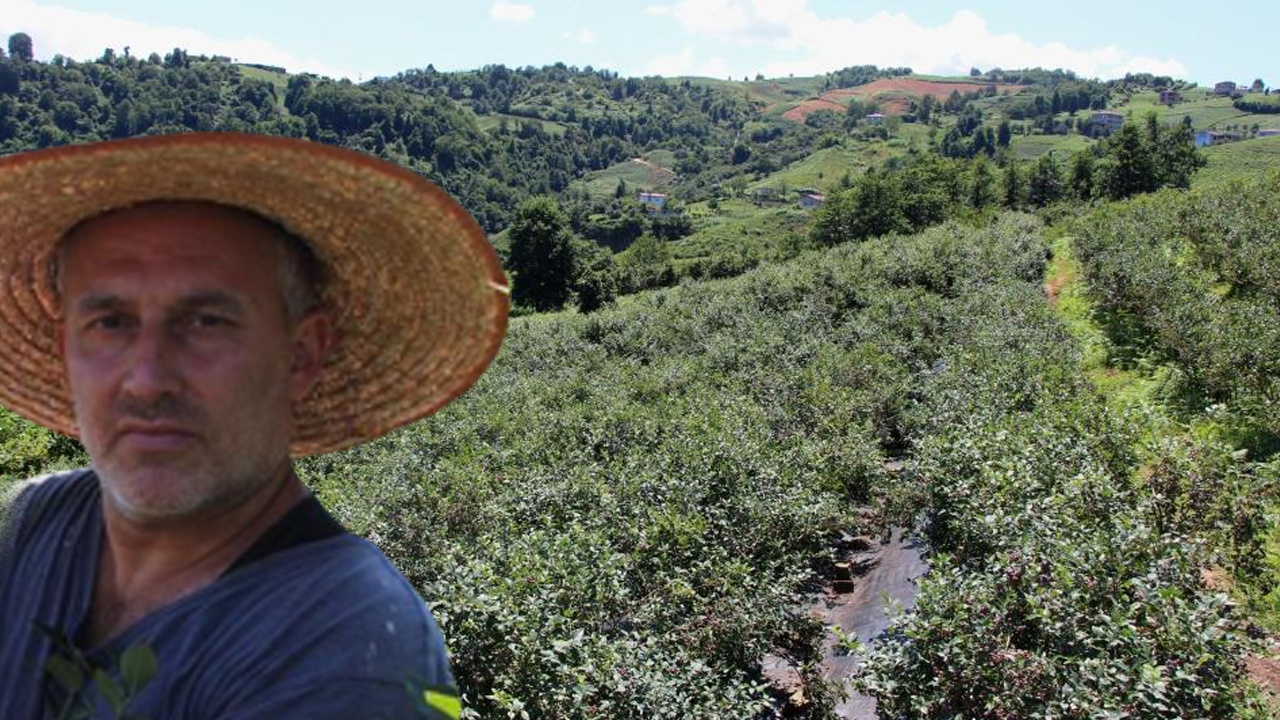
x: 824, y: 168
x: 652, y: 175
x: 1030, y: 147
x: 1206, y: 112
x: 742, y: 226
x: 493, y: 120
x: 280, y: 81
x: 1245, y: 159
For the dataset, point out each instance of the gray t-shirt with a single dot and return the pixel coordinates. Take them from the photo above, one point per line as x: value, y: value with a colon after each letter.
x: 324, y: 629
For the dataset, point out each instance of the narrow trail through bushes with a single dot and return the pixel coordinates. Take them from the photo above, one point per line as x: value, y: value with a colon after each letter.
x: 1062, y: 277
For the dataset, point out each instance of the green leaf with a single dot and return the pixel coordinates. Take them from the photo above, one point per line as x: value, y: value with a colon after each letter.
x: 137, y: 668
x: 110, y: 691
x: 65, y: 673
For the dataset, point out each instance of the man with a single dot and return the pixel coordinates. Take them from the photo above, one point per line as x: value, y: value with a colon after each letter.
x: 198, y: 309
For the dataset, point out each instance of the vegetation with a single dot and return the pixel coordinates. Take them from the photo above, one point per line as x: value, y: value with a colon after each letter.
x: 618, y: 520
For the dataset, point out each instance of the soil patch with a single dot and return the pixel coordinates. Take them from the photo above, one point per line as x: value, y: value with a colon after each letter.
x: 883, y: 574
x: 811, y: 106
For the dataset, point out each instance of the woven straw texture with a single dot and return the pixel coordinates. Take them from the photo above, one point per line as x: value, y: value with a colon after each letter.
x: 416, y: 295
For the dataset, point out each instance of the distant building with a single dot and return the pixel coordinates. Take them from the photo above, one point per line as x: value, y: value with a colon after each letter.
x: 653, y: 202
x: 1106, y: 122
x: 221, y: 59
x: 1205, y: 138
x: 875, y: 119
x: 1226, y: 87
x: 1169, y: 97
x: 1269, y: 132
x: 809, y: 201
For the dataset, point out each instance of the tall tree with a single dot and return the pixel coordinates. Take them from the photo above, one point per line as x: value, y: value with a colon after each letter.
x: 982, y: 184
x: 1045, y: 186
x: 1005, y: 134
x: 1081, y: 180
x: 542, y: 255
x: 1130, y: 168
x: 1014, y: 186
x: 20, y: 47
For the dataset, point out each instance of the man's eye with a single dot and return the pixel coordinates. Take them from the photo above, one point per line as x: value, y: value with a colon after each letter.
x: 107, y: 322
x: 209, y: 321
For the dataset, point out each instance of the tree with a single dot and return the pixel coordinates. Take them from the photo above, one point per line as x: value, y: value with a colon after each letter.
x: 20, y: 48
x: 1177, y: 156
x: 982, y: 182
x: 1081, y: 180
x: 1014, y: 186
x: 1005, y: 134
x: 596, y: 284
x: 1257, y: 86
x: 1045, y: 186
x: 874, y: 206
x: 542, y: 255
x: 1130, y: 168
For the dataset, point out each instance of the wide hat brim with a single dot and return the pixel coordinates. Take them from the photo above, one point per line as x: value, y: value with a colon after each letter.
x: 415, y: 293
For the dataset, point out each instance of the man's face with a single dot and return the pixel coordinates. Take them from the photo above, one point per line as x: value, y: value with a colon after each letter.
x: 182, y: 365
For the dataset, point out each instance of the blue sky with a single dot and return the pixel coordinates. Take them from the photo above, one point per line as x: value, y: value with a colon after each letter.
x: 718, y: 38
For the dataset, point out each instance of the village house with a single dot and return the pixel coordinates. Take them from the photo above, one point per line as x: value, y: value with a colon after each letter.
x: 1226, y: 87
x: 653, y: 202
x: 811, y: 200
x: 1205, y: 138
x: 875, y: 119
x: 1106, y: 122
x: 767, y: 195
x: 1169, y: 97
x: 1269, y: 132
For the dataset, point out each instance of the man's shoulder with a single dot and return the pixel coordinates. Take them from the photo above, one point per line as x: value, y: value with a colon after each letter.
x: 333, y: 611
x: 30, y: 503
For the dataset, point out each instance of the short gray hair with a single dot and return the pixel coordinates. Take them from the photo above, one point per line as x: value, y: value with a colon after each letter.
x: 299, y: 273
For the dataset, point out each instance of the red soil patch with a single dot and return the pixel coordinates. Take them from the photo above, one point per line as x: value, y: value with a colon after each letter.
x: 810, y: 106
x: 1265, y: 671
x: 899, y: 90
x: 919, y: 88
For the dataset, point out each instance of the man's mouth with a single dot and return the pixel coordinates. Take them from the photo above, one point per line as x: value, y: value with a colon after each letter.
x: 155, y: 438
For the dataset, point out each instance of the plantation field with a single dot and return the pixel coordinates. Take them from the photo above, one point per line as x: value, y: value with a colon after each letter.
x: 741, y: 229
x: 1242, y: 160
x: 1206, y: 114
x: 646, y: 173
x: 1030, y: 147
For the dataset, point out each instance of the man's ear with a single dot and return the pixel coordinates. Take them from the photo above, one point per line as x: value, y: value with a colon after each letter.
x: 312, y: 340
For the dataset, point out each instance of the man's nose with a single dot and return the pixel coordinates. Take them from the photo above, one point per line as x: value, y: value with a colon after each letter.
x: 152, y: 370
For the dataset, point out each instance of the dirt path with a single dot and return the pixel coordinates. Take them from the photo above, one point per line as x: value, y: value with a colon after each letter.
x: 883, y: 575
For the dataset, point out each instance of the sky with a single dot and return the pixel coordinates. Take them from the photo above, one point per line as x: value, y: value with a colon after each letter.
x: 714, y: 38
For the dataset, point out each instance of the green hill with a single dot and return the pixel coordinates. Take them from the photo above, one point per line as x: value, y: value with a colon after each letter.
x: 1242, y: 160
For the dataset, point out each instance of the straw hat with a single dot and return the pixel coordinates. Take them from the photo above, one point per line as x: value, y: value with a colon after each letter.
x: 417, y: 298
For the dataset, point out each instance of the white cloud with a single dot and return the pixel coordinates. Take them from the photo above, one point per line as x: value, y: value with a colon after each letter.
x: 686, y: 62
x: 511, y: 12
x: 812, y: 45
x: 81, y: 35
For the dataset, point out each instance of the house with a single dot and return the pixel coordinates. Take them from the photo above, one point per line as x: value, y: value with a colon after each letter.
x: 875, y: 119
x: 809, y: 201
x: 1106, y: 122
x: 1226, y: 87
x: 1205, y: 138
x: 1269, y: 132
x: 653, y: 202
x: 766, y: 194
x: 1169, y: 97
